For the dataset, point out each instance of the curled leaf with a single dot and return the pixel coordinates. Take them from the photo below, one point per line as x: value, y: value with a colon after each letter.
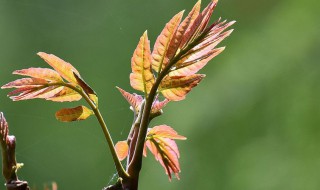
x: 122, y: 149
x: 142, y: 77
x: 175, y: 88
x: 74, y: 114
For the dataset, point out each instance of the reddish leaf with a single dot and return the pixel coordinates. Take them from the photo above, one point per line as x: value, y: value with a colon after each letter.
x: 49, y: 92
x: 157, y: 105
x: 28, y: 94
x: 153, y: 149
x: 161, y: 144
x: 166, y: 132
x: 122, y: 149
x: 142, y: 77
x: 40, y: 73
x: 47, y: 83
x: 160, y: 51
x: 133, y: 99
x: 185, y: 24
x: 190, y: 23
x: 206, y: 15
x: 135, y: 102
x: 73, y: 114
x: 192, y: 63
x: 30, y: 88
x: 175, y: 88
x: 214, y: 36
x: 196, y: 58
x: 25, y: 83
x: 66, y: 95
x: 64, y: 68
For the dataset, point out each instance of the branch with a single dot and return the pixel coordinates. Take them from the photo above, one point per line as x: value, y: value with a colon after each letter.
x: 9, y: 163
x: 121, y: 172
x: 136, y: 163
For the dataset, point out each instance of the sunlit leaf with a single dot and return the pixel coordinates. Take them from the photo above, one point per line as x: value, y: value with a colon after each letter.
x: 88, y: 90
x: 187, y: 23
x: 158, y: 105
x: 73, y: 114
x: 40, y: 73
x: 156, y: 109
x: 66, y: 95
x: 64, y: 68
x: 160, y: 51
x: 206, y: 15
x: 142, y: 77
x: 27, y: 94
x: 175, y: 88
x: 122, y: 149
x: 166, y: 132
x: 25, y: 82
x: 165, y: 150
x: 215, y: 35
x: 133, y: 99
x: 192, y: 63
x: 49, y: 92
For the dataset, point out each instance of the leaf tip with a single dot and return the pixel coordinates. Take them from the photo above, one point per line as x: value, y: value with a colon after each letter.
x: 41, y: 54
x: 181, y: 13
x: 232, y: 22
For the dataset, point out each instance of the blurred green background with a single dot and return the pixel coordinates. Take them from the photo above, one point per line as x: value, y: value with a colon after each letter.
x: 252, y: 124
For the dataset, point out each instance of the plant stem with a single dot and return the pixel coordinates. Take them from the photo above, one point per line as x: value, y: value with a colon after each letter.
x: 121, y: 172
x: 136, y: 163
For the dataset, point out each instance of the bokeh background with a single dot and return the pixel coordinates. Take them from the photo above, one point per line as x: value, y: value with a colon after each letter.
x: 253, y: 123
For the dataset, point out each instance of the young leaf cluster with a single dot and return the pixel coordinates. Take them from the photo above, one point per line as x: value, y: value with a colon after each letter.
x: 169, y: 70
